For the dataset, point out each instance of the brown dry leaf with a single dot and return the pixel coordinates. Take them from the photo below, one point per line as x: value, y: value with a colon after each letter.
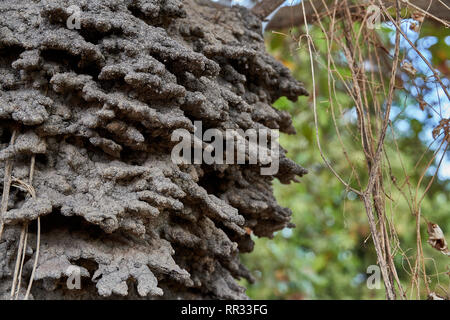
x: 418, y: 16
x: 434, y: 296
x: 444, y: 125
x: 436, y: 238
x: 436, y: 131
x: 414, y: 27
x: 408, y: 67
x: 422, y: 103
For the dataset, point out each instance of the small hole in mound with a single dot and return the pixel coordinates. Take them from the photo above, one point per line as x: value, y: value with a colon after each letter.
x: 61, y: 57
x: 5, y: 135
x: 89, y: 265
x: 56, y: 220
x: 70, y: 62
x: 94, y: 36
x: 42, y: 159
x: 211, y: 182
x: 10, y: 54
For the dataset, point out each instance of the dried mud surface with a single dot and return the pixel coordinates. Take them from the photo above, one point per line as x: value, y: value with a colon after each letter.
x: 96, y: 107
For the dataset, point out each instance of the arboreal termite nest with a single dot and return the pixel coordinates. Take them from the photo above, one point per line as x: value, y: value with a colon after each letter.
x: 95, y: 108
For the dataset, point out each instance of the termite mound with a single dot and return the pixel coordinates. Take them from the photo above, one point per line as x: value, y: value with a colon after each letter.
x: 95, y: 107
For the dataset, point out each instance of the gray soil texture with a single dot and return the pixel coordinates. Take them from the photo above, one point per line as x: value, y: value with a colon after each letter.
x: 95, y: 108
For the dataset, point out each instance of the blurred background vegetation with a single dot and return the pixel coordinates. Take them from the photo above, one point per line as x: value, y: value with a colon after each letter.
x: 327, y: 255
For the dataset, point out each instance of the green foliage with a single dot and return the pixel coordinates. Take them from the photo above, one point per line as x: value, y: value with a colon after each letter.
x: 326, y: 256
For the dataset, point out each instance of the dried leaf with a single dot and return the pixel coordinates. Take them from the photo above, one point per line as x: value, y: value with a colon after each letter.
x: 444, y: 125
x: 418, y: 16
x: 414, y: 27
x: 436, y: 238
x: 434, y: 296
x: 436, y: 131
x: 422, y: 103
x: 408, y: 67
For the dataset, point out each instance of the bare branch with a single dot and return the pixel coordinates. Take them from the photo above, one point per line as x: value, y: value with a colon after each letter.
x: 288, y: 17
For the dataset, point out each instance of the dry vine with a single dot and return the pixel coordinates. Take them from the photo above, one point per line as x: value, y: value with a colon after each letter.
x: 373, y: 94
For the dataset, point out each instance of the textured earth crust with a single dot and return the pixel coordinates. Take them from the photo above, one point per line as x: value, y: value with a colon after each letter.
x: 90, y: 113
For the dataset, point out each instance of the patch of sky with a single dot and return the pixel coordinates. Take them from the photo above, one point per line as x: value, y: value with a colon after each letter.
x: 395, y: 111
x: 350, y: 116
x: 433, y: 93
x: 414, y: 112
x: 358, y: 279
x: 286, y: 232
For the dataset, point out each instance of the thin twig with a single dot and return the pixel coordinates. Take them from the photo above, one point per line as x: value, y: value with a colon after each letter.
x: 38, y: 240
x: 38, y: 244
x: 316, y: 122
x: 7, y: 184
